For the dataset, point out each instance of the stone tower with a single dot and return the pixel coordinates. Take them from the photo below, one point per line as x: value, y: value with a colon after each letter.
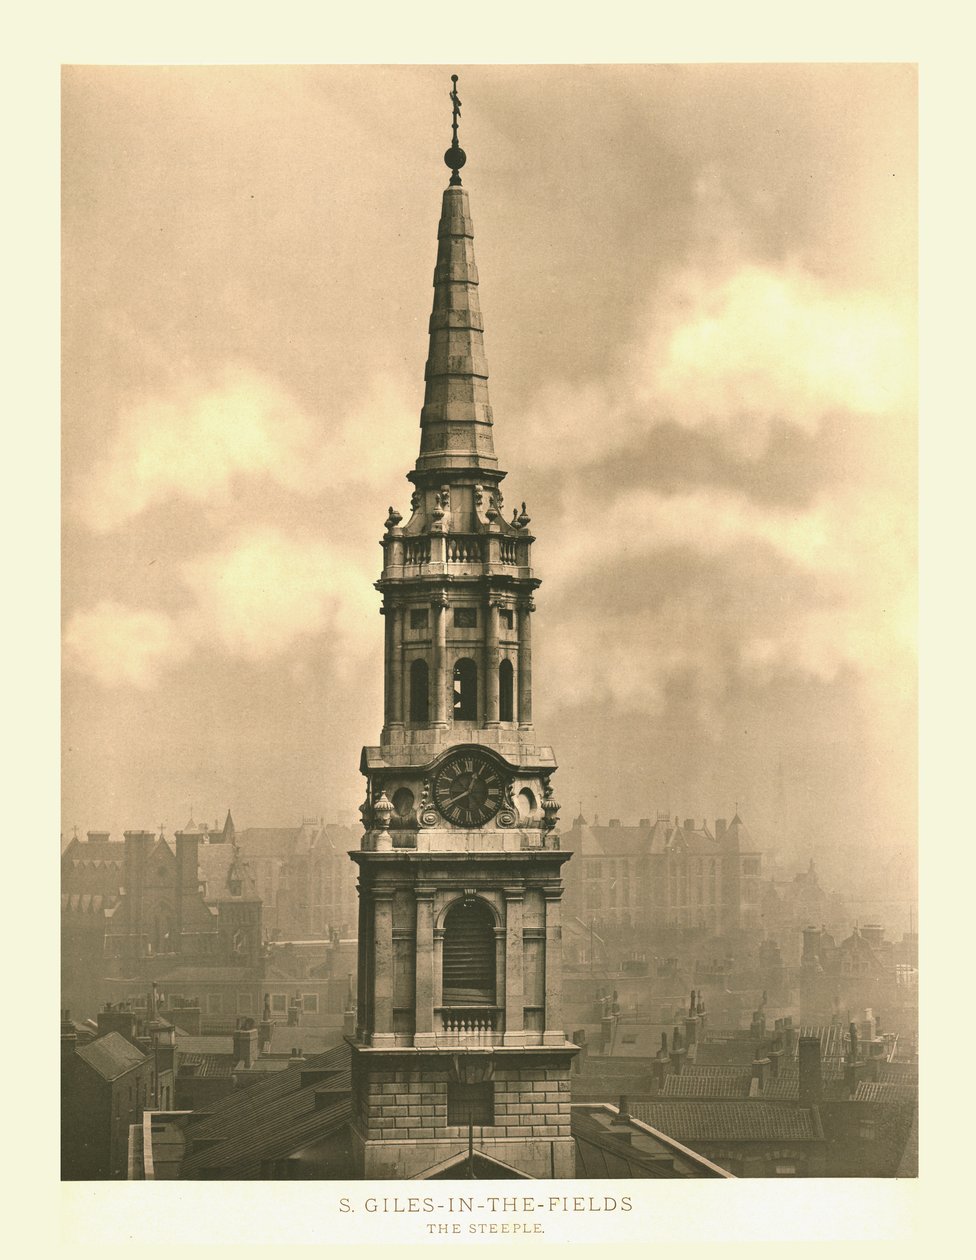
x: 459, y: 1034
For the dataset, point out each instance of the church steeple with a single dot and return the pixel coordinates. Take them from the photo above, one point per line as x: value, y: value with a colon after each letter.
x: 459, y: 867
x: 456, y: 418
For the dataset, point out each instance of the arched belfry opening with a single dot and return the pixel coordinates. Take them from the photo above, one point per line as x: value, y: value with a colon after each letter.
x: 465, y: 690
x: 419, y: 692
x: 506, y: 691
x: 469, y: 955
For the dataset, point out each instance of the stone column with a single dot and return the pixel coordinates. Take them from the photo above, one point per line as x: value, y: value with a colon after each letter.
x: 362, y: 969
x: 554, y: 1034
x: 525, y: 610
x: 439, y: 607
x: 491, y: 662
x: 424, y: 1001
x: 438, y: 977
x: 383, y: 968
x: 394, y: 619
x: 387, y: 613
x: 514, y: 968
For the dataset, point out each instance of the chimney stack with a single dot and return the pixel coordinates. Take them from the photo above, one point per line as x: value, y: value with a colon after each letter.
x: 811, y: 1080
x: 678, y: 1052
x: 689, y: 824
x: 245, y: 1043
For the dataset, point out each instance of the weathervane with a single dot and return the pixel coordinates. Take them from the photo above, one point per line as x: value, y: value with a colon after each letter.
x: 455, y: 157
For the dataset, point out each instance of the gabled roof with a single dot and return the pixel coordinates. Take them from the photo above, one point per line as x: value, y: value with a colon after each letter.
x: 272, y: 1119
x: 86, y: 903
x: 745, y: 1121
x: 111, y: 1056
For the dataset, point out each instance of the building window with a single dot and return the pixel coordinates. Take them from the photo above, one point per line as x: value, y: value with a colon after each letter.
x: 419, y: 692
x: 419, y: 618
x: 506, y: 691
x: 466, y: 618
x: 469, y: 955
x: 750, y: 866
x: 471, y: 1104
x: 245, y: 1004
x: 868, y: 1130
x: 465, y: 690
x: 507, y: 618
x: 279, y: 1002
x: 236, y: 887
x: 310, y: 1003
x: 213, y: 1003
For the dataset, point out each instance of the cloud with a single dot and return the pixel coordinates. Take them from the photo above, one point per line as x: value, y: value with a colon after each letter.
x: 195, y: 444
x: 753, y: 590
x: 766, y: 344
x: 118, y: 645
x: 265, y: 591
x: 255, y: 599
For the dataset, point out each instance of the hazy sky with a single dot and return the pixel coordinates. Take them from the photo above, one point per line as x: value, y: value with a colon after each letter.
x: 698, y: 286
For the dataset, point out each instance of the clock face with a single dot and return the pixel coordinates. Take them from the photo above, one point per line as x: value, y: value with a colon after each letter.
x: 468, y: 789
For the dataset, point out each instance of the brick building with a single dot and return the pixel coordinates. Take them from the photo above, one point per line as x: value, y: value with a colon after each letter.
x: 104, y: 1087
x: 664, y: 875
x: 304, y: 878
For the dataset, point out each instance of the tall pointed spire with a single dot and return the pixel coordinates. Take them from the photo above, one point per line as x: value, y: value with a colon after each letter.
x: 456, y: 418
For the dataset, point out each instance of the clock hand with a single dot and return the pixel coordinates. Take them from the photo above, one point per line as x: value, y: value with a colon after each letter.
x: 454, y: 799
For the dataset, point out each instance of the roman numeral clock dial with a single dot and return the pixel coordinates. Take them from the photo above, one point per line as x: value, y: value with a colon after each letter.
x: 468, y: 789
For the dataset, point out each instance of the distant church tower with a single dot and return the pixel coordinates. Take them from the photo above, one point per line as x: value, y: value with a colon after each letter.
x: 459, y: 1028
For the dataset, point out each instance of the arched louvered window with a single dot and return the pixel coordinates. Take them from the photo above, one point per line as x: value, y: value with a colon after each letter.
x: 506, y: 690
x: 465, y: 690
x: 469, y: 955
x: 419, y: 692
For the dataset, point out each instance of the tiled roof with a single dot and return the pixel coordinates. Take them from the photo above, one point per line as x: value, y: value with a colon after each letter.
x: 111, y: 1056
x: 745, y: 1121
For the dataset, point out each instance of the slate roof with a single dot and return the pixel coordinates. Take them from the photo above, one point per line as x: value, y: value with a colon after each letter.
x: 88, y: 851
x: 111, y: 1056
x: 217, y: 865
x: 208, y: 1065
x: 270, y: 1120
x: 831, y: 1039
x: 187, y: 1044
x: 745, y: 1121
x: 885, y: 1092
x: 605, y: 1150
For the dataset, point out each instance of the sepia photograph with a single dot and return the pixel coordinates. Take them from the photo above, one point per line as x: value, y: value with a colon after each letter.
x: 489, y: 773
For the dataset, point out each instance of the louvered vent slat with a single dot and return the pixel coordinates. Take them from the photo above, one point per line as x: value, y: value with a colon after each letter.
x: 469, y: 955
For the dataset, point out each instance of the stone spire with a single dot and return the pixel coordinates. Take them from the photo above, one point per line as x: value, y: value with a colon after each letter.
x: 456, y: 418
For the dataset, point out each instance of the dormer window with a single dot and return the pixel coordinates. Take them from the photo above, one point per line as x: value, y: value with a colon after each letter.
x: 236, y: 887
